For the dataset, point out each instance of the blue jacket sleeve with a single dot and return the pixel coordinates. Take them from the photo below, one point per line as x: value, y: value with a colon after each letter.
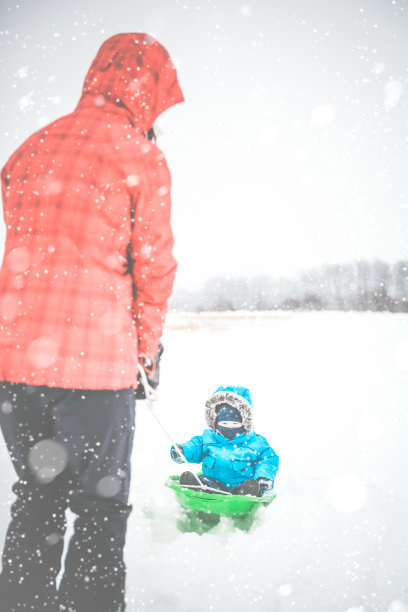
x: 193, y: 450
x: 268, y: 463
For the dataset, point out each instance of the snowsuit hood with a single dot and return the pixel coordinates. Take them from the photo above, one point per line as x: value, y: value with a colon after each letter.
x: 133, y: 71
x: 238, y: 397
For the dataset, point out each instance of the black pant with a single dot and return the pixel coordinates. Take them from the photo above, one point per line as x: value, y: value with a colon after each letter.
x: 70, y: 449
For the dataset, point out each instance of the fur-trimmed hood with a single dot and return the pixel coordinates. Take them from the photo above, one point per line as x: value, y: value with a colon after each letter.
x: 239, y: 397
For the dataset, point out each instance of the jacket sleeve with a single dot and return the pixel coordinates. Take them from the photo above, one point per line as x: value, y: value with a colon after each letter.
x: 152, y: 262
x: 4, y: 185
x: 193, y: 450
x: 268, y: 463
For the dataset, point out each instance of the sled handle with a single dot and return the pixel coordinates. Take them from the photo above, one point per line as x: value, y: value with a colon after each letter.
x: 151, y: 397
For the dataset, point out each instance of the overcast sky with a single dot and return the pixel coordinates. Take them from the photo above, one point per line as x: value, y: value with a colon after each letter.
x: 290, y: 150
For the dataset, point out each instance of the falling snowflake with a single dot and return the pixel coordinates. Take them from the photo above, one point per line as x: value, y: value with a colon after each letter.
x: 246, y: 11
x: 392, y: 94
x: 26, y: 101
x: 22, y: 72
x: 47, y: 459
x: 108, y: 486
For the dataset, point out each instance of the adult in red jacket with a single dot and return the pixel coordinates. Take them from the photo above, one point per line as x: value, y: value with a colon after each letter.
x: 87, y: 273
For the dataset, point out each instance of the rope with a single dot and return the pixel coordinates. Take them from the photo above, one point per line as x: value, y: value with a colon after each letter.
x: 151, y: 397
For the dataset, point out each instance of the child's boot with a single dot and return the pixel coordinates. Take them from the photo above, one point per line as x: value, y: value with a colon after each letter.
x: 249, y: 487
x: 187, y: 479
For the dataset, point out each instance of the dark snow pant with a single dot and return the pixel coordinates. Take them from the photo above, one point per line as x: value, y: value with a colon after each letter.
x: 214, y: 484
x: 70, y: 449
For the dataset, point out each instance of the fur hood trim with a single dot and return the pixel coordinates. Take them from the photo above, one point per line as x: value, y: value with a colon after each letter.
x: 228, y: 397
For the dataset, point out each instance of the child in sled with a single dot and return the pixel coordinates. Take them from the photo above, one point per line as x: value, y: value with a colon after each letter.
x: 235, y: 459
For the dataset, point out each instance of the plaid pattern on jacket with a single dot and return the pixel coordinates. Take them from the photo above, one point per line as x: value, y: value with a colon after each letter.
x: 88, y: 266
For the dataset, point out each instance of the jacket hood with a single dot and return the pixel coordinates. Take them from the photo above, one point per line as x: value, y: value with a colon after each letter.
x: 238, y: 397
x: 133, y: 71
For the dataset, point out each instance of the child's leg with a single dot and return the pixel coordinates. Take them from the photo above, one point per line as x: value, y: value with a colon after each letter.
x: 214, y: 484
x: 188, y: 480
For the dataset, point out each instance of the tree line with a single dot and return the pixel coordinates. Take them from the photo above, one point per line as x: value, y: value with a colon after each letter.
x: 361, y: 285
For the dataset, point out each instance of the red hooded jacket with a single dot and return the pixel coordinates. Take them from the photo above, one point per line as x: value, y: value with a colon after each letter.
x: 88, y: 266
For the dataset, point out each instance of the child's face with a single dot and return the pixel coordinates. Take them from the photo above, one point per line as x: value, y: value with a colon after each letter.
x: 229, y: 424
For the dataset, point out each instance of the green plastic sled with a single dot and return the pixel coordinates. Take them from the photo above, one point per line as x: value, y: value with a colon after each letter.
x: 217, y: 503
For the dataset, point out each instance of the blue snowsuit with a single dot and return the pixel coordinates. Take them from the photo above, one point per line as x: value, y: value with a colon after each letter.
x: 231, y: 462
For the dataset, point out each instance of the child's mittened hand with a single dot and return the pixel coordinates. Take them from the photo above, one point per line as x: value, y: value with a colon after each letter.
x: 265, y: 484
x: 175, y: 455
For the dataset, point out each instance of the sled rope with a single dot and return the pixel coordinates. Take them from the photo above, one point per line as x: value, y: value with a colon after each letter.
x: 151, y: 397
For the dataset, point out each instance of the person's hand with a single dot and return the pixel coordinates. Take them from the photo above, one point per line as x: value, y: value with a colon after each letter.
x: 265, y: 484
x: 152, y: 371
x: 175, y: 455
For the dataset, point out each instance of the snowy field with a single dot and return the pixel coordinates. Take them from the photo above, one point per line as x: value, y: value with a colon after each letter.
x: 330, y: 395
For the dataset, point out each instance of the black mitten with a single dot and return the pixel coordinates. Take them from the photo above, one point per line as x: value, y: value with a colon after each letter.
x: 152, y: 370
x: 265, y: 484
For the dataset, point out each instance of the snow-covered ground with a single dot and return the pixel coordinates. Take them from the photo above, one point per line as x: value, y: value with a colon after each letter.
x: 330, y: 395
